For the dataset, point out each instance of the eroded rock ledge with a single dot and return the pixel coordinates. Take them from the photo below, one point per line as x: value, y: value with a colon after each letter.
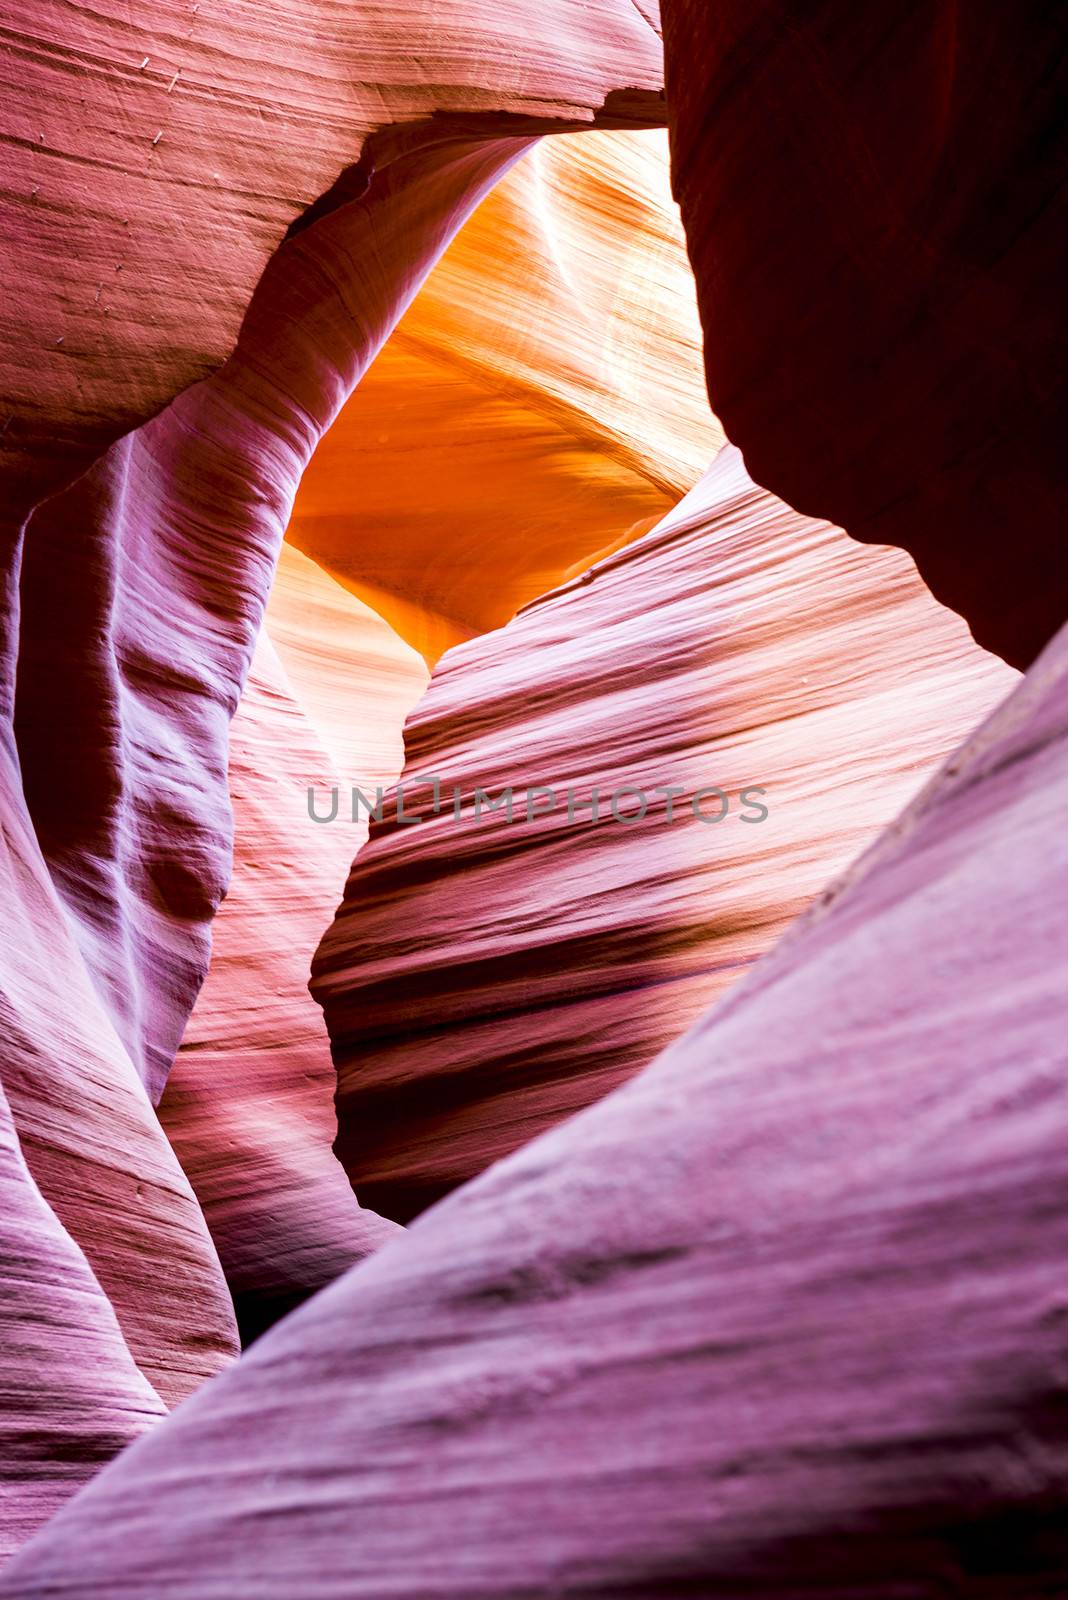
x: 783, y: 1315
x: 486, y: 977
x: 143, y: 512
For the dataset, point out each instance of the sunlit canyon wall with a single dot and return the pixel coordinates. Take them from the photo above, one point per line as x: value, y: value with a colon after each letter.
x: 158, y: 420
x: 752, y: 1279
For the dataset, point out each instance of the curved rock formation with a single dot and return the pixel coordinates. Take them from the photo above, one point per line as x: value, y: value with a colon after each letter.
x: 249, y: 1104
x: 111, y: 1299
x: 886, y: 197
x: 72, y: 1394
x: 558, y: 311
x: 206, y: 134
x: 134, y: 569
x: 485, y: 977
x: 540, y: 401
x: 784, y: 1315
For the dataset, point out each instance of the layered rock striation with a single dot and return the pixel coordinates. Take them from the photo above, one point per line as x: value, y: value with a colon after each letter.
x: 782, y: 1315
x: 564, y: 913
x: 249, y: 1103
x: 558, y: 311
x: 158, y: 418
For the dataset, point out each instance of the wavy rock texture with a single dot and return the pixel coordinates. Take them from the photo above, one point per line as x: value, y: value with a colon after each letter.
x: 156, y: 154
x: 485, y: 978
x: 785, y: 1311
x: 141, y: 593
x: 505, y: 432
x: 784, y: 1315
x: 886, y: 197
x: 96, y: 1334
x: 130, y: 601
x: 540, y: 401
x: 249, y: 1104
x: 72, y: 1394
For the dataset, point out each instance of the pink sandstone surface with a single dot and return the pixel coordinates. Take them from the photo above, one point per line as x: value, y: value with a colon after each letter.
x: 72, y: 1393
x: 486, y: 976
x: 142, y: 524
x: 249, y: 1103
x: 784, y: 1315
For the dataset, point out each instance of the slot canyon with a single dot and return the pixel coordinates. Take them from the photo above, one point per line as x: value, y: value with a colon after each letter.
x: 533, y: 750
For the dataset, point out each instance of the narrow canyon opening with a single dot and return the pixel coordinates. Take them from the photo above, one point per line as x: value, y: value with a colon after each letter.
x: 679, y: 1068
x: 540, y: 403
x: 536, y: 426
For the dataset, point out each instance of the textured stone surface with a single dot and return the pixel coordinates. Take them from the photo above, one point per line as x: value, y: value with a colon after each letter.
x: 72, y: 1393
x: 154, y: 156
x: 131, y: 600
x: 557, y: 312
x: 876, y: 211
x: 142, y: 588
x: 249, y: 1103
x: 111, y: 1300
x: 485, y: 978
x: 541, y: 400
x: 784, y: 1315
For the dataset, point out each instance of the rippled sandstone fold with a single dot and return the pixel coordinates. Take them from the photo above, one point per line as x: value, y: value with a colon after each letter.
x: 559, y: 313
x: 783, y: 1315
x: 487, y: 975
x: 72, y: 1394
x: 154, y: 160
x: 111, y: 1298
x: 705, y: 1332
x: 155, y: 155
x: 249, y: 1103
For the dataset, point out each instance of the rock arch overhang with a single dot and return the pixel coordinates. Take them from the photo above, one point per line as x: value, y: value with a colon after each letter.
x: 149, y: 449
x: 886, y: 196
x: 957, y: 827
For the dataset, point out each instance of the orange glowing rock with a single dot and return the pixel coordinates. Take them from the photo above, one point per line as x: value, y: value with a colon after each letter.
x: 567, y: 343
x: 486, y: 977
x: 540, y: 401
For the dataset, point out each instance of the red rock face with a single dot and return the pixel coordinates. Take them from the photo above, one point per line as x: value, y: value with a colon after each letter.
x: 875, y: 209
x: 249, y: 1103
x: 513, y: 405
x: 782, y: 1316
x: 486, y: 977
x: 132, y: 598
